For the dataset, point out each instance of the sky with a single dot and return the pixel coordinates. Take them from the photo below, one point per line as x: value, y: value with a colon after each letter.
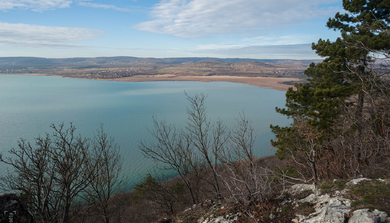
x: 259, y: 29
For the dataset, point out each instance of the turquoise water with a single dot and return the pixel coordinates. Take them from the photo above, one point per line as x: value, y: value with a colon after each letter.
x: 30, y: 104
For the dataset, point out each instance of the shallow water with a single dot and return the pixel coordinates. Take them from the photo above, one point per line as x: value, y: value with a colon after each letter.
x: 30, y: 104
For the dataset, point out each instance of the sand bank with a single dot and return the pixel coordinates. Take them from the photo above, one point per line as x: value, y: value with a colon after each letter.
x: 271, y: 82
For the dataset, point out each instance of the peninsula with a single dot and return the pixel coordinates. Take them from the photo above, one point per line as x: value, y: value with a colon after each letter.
x: 276, y: 74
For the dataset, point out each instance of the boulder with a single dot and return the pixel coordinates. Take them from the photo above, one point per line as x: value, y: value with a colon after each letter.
x: 382, y: 215
x: 327, y: 209
x: 335, y: 209
x: 367, y: 216
x: 327, y: 214
x: 13, y: 210
x: 364, y: 216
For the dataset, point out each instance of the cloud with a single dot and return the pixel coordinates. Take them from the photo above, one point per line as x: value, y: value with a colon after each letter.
x: 271, y: 40
x: 95, y: 5
x: 297, y: 51
x: 42, y: 5
x: 205, y: 18
x: 43, y: 36
x: 35, y: 5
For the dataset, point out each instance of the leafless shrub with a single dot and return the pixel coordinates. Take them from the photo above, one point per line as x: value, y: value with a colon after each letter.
x: 208, y: 139
x: 105, y: 187
x: 244, y: 180
x: 211, y: 160
x: 52, y: 175
x: 174, y: 152
x: 192, y: 150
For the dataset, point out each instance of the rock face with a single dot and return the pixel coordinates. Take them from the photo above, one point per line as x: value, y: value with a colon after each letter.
x: 334, y: 208
x: 12, y: 210
x: 327, y: 209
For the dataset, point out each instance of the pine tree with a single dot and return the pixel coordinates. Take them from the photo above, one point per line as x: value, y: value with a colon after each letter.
x: 321, y: 102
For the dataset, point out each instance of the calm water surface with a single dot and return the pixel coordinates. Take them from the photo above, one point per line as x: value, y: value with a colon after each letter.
x: 30, y: 104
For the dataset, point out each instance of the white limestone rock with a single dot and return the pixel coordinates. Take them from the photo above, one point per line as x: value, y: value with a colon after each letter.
x: 312, y: 198
x: 340, y: 193
x: 356, y: 181
x: 220, y: 219
x: 335, y: 208
x: 386, y: 181
x: 383, y: 217
x: 336, y: 202
x: 326, y: 214
x: 327, y: 209
x: 364, y: 216
x: 298, y: 188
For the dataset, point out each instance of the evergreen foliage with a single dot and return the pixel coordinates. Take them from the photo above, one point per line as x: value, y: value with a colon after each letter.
x: 335, y: 85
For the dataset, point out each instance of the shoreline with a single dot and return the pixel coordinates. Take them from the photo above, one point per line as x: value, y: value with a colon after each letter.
x: 270, y: 82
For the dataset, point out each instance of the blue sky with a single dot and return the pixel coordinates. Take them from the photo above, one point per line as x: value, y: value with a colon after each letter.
x: 262, y: 29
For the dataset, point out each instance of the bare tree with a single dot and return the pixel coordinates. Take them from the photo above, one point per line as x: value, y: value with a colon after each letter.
x: 34, y: 177
x: 189, y: 151
x: 223, y: 159
x: 105, y: 186
x: 54, y: 173
x: 245, y: 181
x: 173, y: 150
x: 206, y: 138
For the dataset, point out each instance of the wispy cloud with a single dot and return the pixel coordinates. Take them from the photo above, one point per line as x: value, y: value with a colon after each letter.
x: 271, y: 40
x: 43, y: 36
x: 102, y: 6
x: 290, y: 39
x: 35, y: 5
x: 298, y: 51
x: 42, y: 5
x: 205, y: 18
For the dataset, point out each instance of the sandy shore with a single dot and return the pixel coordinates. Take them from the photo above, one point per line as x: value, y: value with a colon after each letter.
x: 271, y: 82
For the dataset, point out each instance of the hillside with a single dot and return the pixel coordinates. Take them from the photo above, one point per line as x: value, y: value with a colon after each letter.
x: 117, y: 67
x: 352, y: 201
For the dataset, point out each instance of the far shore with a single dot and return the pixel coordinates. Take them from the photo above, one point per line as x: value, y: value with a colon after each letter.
x: 270, y: 82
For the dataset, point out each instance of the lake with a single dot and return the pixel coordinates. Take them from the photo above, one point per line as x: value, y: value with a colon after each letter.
x: 30, y: 104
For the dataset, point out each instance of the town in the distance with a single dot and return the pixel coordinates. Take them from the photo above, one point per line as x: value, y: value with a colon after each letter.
x: 118, y: 67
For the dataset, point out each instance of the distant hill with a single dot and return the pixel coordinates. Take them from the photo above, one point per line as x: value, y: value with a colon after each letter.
x: 119, y: 67
x: 105, y: 62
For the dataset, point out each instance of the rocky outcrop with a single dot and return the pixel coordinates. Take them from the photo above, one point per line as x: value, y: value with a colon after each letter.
x: 218, y: 219
x: 304, y: 203
x: 299, y: 188
x: 364, y: 215
x: 12, y: 210
x: 334, y: 208
x: 328, y: 209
